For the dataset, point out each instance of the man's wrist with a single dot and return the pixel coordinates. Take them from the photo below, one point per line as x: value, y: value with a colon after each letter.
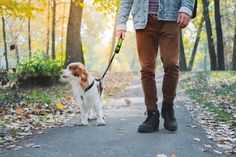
x: 121, y: 27
x: 185, y: 10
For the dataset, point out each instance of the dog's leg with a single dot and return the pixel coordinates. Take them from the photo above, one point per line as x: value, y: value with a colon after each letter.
x: 100, y: 120
x: 84, y: 115
x: 83, y: 112
x: 92, y: 114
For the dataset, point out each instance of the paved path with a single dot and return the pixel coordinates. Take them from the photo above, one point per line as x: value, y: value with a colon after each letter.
x: 119, y: 138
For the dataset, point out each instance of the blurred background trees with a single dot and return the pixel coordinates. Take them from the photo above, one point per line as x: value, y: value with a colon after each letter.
x: 84, y: 30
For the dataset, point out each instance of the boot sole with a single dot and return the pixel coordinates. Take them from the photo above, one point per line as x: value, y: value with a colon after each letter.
x: 170, y: 129
x: 147, y: 131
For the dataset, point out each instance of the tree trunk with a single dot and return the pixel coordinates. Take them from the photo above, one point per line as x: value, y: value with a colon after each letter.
x: 53, y: 28
x: 113, y: 41
x: 5, y: 42
x: 190, y: 64
x: 17, y: 51
x: 182, y: 59
x: 234, y: 48
x: 211, y: 46
x: 48, y: 28
x: 29, y: 35
x: 219, y: 34
x: 74, y: 51
x: 62, y: 32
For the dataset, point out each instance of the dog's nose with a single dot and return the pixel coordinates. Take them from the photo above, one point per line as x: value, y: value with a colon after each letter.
x: 61, y: 72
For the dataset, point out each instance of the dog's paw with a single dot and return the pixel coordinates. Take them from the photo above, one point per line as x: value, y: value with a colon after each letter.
x: 82, y: 124
x: 101, y: 123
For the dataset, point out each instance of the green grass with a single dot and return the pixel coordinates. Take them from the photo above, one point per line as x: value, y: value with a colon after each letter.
x: 46, y: 95
x: 215, y: 91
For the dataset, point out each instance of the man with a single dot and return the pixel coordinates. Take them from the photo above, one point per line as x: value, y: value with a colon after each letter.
x: 157, y: 23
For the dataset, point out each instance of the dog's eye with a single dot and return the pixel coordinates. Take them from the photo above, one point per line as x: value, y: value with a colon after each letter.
x: 70, y: 67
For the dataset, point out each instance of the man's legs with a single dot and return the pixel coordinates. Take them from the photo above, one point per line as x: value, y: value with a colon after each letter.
x: 169, y: 50
x: 147, y: 45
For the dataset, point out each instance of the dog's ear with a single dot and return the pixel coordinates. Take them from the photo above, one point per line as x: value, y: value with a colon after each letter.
x: 81, y: 72
x: 84, y: 74
x: 76, y: 72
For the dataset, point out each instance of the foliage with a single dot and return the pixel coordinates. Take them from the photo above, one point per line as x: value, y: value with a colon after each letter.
x: 107, y: 6
x: 20, y: 8
x: 39, y: 65
x: 214, y: 90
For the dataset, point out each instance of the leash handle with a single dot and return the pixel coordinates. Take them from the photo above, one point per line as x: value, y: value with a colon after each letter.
x: 119, y: 43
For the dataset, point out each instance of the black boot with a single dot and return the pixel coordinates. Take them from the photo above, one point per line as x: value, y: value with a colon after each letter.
x: 168, y: 114
x: 151, y: 123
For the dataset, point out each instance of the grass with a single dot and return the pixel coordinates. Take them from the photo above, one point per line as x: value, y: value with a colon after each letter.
x: 215, y: 91
x: 46, y: 95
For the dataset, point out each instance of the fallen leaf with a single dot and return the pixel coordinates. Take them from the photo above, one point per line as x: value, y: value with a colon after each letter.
x: 120, y: 129
x: 196, y: 139
x: 29, y: 145
x: 161, y: 155
x: 207, y: 146
x: 127, y: 101
x: 172, y: 155
x: 11, y: 146
x: 193, y: 126
x: 59, y: 106
x: 36, y: 146
x: 68, y: 97
x: 217, y: 152
x: 19, y: 111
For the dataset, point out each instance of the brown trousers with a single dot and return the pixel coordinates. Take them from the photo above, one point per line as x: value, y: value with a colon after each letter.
x: 165, y: 35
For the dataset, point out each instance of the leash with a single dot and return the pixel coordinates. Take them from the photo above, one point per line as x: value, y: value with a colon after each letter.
x: 117, y: 50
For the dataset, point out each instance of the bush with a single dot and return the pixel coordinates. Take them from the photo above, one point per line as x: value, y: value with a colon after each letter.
x: 39, y: 67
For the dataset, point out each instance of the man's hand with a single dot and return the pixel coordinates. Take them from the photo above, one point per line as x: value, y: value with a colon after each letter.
x: 120, y: 33
x: 183, y: 19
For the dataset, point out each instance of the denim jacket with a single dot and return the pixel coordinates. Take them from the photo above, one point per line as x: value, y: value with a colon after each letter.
x: 168, y: 11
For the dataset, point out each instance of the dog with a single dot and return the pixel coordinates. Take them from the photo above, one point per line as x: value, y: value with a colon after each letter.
x: 87, y: 90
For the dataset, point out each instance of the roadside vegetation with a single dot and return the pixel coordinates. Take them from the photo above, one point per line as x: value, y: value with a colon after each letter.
x: 215, y: 91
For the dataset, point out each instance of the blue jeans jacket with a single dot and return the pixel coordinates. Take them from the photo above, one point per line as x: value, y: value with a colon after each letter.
x: 168, y: 11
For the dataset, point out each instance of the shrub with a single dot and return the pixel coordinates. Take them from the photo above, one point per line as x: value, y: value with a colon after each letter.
x: 39, y: 66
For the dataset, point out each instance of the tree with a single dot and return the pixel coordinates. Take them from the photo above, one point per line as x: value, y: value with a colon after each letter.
x: 5, y: 42
x: 62, y: 28
x: 74, y: 51
x: 194, y: 51
x: 219, y: 35
x: 211, y: 45
x: 234, y: 46
x: 48, y: 27
x: 182, y: 59
x: 29, y: 34
x: 53, y: 28
x: 14, y: 33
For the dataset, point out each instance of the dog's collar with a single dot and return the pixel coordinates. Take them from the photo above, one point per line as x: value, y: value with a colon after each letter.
x: 89, y: 87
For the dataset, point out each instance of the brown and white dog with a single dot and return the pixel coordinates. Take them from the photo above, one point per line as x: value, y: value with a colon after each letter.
x: 87, y: 90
